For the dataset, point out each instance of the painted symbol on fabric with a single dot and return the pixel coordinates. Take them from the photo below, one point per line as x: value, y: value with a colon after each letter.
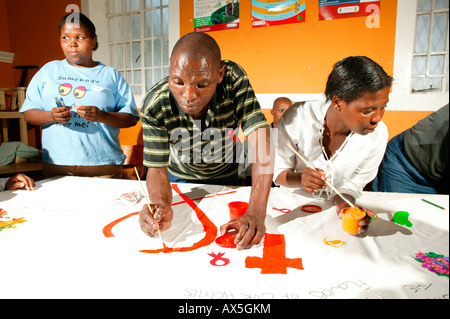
x: 218, y: 259
x: 401, y: 218
x: 208, y: 226
x: 283, y: 210
x: 8, y: 222
x: 274, y: 259
x: 334, y: 242
x: 435, y: 263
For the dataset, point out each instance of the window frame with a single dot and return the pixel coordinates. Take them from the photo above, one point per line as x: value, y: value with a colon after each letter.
x: 402, y: 98
x: 97, y: 11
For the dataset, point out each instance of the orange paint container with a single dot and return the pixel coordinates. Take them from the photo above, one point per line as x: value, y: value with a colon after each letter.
x: 237, y: 209
x: 351, y: 218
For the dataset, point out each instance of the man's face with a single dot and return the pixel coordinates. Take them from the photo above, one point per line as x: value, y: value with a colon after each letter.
x: 194, y: 82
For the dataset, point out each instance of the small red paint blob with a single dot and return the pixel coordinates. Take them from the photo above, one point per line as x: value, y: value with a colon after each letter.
x: 226, y: 241
x: 311, y: 208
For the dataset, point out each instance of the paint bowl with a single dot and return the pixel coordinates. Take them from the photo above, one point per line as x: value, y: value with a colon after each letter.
x: 237, y: 209
x: 227, y: 239
x: 351, y: 216
x: 311, y: 209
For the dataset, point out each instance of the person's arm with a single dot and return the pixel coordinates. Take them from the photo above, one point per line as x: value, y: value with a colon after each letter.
x: 251, y: 226
x: 160, y: 196
x: 114, y: 119
x: 40, y: 117
x: 20, y: 181
x: 310, y: 180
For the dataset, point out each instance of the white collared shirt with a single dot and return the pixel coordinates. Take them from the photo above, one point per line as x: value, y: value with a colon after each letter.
x: 350, y: 169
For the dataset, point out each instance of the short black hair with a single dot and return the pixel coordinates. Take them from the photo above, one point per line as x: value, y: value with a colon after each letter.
x: 355, y: 76
x: 85, y: 22
x: 197, y: 45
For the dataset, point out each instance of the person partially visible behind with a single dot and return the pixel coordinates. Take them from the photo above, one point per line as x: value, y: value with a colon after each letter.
x: 280, y: 105
x: 81, y: 105
x: 18, y: 181
x: 417, y: 160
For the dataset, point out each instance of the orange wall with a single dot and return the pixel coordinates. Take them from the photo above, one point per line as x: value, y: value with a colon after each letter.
x: 6, y: 78
x: 29, y: 29
x: 281, y: 59
x: 297, y: 58
x: 33, y: 32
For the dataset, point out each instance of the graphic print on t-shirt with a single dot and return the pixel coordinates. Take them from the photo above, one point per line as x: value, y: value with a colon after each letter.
x: 66, y: 88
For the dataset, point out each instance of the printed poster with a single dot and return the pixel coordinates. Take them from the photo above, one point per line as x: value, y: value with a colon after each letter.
x: 341, y: 9
x: 275, y: 12
x: 214, y: 15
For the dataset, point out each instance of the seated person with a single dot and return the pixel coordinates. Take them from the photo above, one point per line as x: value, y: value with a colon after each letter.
x: 416, y: 160
x: 17, y: 181
x: 342, y: 136
x: 280, y: 105
x: 188, y: 122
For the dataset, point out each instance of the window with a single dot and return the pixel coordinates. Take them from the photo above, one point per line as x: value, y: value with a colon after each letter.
x: 406, y: 68
x: 430, y: 56
x: 139, y: 41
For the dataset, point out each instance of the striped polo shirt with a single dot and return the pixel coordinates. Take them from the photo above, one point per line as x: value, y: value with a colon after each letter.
x: 200, y: 149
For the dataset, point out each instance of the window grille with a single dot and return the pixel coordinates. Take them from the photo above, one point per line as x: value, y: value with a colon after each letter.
x: 139, y: 41
x: 430, y: 63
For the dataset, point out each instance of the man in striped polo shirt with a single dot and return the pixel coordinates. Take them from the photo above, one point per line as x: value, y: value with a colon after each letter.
x: 190, y: 121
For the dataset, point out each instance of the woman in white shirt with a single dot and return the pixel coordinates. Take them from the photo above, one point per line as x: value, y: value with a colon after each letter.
x: 341, y: 135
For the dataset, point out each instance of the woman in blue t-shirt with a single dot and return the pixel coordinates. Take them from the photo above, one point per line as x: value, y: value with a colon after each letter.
x: 81, y: 105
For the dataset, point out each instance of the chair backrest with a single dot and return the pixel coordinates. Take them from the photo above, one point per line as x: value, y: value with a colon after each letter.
x: 17, y: 98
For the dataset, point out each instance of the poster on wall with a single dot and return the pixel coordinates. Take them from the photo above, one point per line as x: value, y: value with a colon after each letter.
x: 341, y: 9
x: 267, y: 13
x: 214, y: 15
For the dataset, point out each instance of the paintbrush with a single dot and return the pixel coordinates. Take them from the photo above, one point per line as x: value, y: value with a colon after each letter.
x: 329, y: 184
x: 148, y: 204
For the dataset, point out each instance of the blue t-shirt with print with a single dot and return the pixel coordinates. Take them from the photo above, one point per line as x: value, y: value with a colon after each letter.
x: 80, y: 142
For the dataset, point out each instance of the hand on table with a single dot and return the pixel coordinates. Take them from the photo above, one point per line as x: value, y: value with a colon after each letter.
x: 20, y: 181
x: 163, y: 215
x: 250, y: 227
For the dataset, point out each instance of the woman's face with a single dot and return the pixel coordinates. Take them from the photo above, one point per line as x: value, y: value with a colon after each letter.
x: 77, y: 45
x: 363, y: 115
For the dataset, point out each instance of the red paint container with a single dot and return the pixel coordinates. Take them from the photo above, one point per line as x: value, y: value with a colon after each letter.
x: 237, y: 209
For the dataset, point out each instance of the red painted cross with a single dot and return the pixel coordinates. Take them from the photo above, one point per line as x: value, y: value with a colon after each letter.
x: 274, y: 259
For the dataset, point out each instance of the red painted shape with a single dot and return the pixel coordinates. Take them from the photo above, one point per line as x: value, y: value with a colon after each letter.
x: 208, y: 226
x: 200, y: 198
x: 218, y: 257
x: 274, y: 259
x: 107, y: 230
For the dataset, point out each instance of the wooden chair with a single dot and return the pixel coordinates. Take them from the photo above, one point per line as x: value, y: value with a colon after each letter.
x: 17, y: 98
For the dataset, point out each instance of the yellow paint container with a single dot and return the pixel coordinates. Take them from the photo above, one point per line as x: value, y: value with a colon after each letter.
x: 351, y: 218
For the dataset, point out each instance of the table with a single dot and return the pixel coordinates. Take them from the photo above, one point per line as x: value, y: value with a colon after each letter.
x: 28, y: 168
x: 79, y: 241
